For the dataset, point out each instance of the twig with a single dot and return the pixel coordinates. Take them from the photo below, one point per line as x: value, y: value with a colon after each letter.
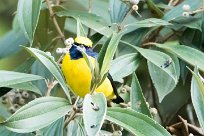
x: 120, y: 26
x: 185, y: 126
x: 58, y: 2
x: 147, y: 44
x: 73, y: 113
x: 170, y: 2
x: 175, y: 128
x: 197, y: 11
x: 50, y: 86
x: 52, y: 14
x: 175, y: 2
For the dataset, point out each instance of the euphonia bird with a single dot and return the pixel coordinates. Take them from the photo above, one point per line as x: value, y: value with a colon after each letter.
x: 78, y: 74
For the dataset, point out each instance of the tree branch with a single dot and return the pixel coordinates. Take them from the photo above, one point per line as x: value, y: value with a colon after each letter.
x: 52, y: 14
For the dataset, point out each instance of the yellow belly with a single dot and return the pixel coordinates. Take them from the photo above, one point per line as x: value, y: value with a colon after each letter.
x: 78, y: 76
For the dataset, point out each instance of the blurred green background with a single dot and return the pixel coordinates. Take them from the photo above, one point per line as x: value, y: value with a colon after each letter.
x: 7, y: 13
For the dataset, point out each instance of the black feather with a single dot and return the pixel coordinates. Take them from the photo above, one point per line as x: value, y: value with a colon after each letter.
x: 118, y: 98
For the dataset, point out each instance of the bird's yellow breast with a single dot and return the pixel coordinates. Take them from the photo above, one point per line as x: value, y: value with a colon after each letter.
x: 78, y: 76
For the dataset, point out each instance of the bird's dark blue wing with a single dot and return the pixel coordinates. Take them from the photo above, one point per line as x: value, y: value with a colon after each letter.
x: 90, y: 52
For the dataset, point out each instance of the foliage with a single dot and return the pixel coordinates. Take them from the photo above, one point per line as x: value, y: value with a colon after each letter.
x: 148, y: 47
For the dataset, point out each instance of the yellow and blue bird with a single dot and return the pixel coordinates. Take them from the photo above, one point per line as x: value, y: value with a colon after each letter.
x: 78, y: 74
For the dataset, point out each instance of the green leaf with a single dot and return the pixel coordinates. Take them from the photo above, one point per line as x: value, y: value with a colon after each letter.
x: 188, y: 54
x: 5, y: 132
x: 194, y: 22
x: 164, y: 83
x: 154, y: 9
x: 90, y: 20
x: 12, y: 78
x: 177, y: 11
x: 137, y: 123
x: 76, y: 127
x: 9, y: 43
x: 107, y: 52
x: 146, y: 23
x: 28, y: 12
x: 137, y: 99
x: 39, y: 69
x: 88, y: 61
x: 94, y: 111
x: 159, y: 59
x: 52, y: 66
x: 118, y: 10
x: 4, y: 113
x: 37, y: 114
x: 197, y: 96
x: 124, y: 66
x: 80, y: 29
x: 25, y: 66
x: 55, y: 129
x: 192, y: 38
x: 26, y: 86
x: 136, y: 37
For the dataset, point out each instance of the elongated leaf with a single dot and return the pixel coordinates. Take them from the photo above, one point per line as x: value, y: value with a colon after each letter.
x: 76, y: 127
x: 124, y: 66
x: 39, y: 69
x: 154, y: 8
x: 26, y: 86
x: 10, y: 42
x: 177, y: 11
x: 188, y: 54
x: 5, y: 132
x: 55, y: 129
x: 94, y: 111
x: 28, y: 12
x: 194, y: 22
x: 26, y: 65
x: 118, y: 10
x: 107, y: 52
x: 80, y: 29
x: 136, y: 123
x: 163, y: 83
x: 37, y: 114
x: 136, y: 37
x: 137, y: 99
x: 90, y: 20
x: 8, y: 78
x: 150, y: 22
x: 197, y: 96
x: 157, y: 58
x: 52, y: 66
x: 4, y: 113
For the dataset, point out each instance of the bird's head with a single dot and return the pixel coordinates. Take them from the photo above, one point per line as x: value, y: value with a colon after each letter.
x: 86, y: 42
x: 79, y: 43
